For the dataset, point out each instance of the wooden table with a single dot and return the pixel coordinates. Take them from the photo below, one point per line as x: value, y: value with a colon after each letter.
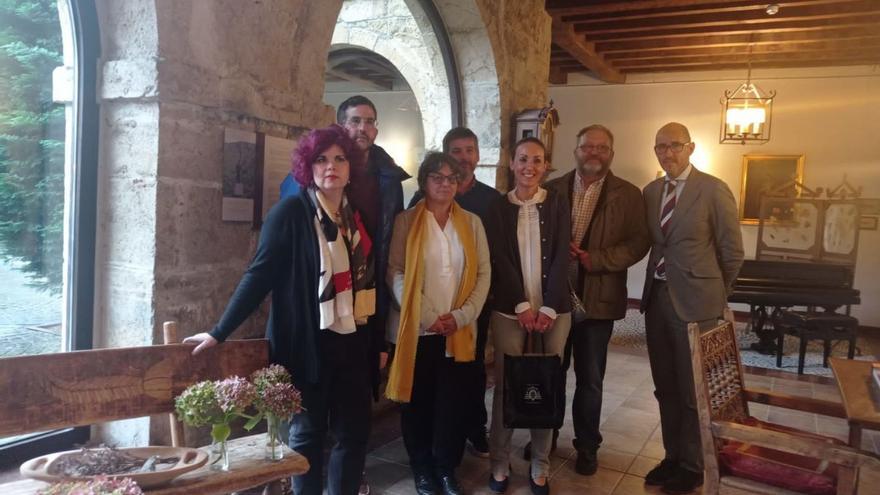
x: 861, y: 397
x: 248, y: 469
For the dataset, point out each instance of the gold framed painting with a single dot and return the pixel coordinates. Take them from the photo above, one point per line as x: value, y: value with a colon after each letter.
x: 762, y: 174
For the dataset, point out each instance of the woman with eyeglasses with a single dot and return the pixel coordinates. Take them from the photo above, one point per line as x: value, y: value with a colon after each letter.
x: 529, y: 231
x: 439, y: 273
x: 316, y: 259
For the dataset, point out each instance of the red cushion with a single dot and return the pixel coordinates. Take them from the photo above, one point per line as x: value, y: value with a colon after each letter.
x: 776, y: 468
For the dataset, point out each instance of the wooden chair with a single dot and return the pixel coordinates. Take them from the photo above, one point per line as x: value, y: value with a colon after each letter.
x: 52, y: 391
x: 726, y: 427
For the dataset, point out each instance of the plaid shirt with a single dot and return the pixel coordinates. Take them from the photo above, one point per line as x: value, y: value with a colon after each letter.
x: 583, y: 204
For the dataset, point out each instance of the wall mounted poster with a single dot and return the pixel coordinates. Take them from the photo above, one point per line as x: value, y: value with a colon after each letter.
x: 239, y: 175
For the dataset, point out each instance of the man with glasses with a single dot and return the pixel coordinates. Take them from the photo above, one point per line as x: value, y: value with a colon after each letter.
x: 608, y: 235
x: 696, y: 254
x: 475, y: 197
x: 375, y: 190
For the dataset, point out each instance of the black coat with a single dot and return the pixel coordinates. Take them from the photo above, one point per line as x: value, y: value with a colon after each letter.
x: 507, y: 278
x: 286, y: 264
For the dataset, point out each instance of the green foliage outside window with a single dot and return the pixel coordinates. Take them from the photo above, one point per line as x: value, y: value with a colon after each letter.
x: 31, y: 141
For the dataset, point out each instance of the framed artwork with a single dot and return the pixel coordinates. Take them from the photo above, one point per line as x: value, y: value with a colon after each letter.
x: 762, y: 174
x: 868, y: 222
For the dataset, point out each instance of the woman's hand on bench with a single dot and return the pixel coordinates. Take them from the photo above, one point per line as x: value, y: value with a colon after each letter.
x: 204, y: 341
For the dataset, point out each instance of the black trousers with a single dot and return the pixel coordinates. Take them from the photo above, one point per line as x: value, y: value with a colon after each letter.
x: 477, y: 416
x: 588, y: 345
x: 433, y: 421
x: 341, y: 401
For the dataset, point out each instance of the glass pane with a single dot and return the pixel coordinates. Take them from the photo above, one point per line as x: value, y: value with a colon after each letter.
x: 31, y: 179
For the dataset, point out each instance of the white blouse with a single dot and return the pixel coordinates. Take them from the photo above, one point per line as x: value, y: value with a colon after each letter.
x: 528, y: 236
x: 444, y: 265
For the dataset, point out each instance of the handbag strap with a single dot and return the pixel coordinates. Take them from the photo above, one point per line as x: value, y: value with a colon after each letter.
x: 528, y: 345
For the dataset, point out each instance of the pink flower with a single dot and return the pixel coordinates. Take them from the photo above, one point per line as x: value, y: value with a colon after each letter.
x: 274, y: 373
x: 235, y: 394
x: 99, y: 485
x: 280, y: 399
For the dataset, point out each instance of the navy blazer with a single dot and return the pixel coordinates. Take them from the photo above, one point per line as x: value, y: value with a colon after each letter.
x: 507, y: 278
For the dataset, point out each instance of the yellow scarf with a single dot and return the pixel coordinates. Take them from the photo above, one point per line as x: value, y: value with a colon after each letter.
x: 462, y: 343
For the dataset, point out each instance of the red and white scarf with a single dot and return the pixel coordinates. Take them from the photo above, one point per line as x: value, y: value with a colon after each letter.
x: 347, y: 282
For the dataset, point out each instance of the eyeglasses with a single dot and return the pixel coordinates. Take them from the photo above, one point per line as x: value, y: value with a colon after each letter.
x: 589, y: 148
x: 357, y: 121
x: 438, y: 179
x: 676, y: 148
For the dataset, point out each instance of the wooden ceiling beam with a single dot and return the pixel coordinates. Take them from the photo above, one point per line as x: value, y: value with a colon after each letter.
x: 740, y: 39
x: 571, y: 7
x: 558, y: 75
x: 367, y: 83
x: 692, y: 8
x: 782, y: 64
x: 739, y: 28
x: 745, y: 59
x: 865, y: 43
x: 756, y: 19
x: 585, y: 53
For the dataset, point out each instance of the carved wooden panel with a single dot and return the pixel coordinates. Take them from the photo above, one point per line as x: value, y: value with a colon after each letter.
x: 85, y: 387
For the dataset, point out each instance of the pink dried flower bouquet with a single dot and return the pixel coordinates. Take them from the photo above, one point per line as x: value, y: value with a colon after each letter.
x: 276, y: 394
x: 100, y: 485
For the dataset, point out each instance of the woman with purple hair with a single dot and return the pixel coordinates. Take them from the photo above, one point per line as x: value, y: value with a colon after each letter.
x: 316, y: 259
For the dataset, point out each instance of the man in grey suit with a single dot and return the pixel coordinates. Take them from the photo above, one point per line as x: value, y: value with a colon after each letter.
x: 695, y: 257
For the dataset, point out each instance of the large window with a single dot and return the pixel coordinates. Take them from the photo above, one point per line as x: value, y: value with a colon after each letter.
x: 48, y: 163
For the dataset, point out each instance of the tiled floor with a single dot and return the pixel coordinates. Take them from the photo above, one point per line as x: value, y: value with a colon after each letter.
x: 630, y: 427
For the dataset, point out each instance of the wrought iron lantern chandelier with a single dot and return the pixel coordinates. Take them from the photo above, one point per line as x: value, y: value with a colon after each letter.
x: 746, y: 113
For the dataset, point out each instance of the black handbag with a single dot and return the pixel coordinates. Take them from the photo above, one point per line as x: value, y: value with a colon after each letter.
x: 534, y: 395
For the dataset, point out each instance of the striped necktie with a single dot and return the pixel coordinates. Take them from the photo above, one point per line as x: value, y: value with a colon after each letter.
x: 665, y: 217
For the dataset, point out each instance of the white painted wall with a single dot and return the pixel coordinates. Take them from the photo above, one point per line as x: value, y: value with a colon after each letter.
x: 830, y: 115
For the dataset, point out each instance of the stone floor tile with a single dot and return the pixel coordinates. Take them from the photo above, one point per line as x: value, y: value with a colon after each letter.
x: 641, y: 465
x: 635, y: 485
x: 566, y: 480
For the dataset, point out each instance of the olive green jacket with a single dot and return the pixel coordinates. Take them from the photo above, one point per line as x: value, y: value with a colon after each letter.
x: 616, y: 239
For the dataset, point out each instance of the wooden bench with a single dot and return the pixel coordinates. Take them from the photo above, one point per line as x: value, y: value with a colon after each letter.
x: 63, y: 390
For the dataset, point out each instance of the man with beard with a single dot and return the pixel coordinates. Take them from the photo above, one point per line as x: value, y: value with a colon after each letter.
x: 608, y: 235
x: 696, y: 254
x: 475, y: 197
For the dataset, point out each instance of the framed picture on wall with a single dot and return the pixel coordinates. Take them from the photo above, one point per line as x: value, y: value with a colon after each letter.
x: 762, y: 174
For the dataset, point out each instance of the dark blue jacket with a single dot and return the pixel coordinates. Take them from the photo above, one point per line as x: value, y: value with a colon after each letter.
x: 286, y: 264
x: 507, y: 278
x: 390, y: 204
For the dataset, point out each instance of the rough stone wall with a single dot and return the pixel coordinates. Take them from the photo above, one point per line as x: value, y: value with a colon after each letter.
x: 502, y: 48
x: 520, y: 33
x: 401, y: 33
x: 173, y: 75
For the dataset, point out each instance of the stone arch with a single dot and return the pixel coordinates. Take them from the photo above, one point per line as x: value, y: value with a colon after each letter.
x: 481, y: 86
x: 390, y: 29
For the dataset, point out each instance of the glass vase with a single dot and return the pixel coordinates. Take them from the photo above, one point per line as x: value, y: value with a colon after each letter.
x: 274, y: 442
x: 219, y: 448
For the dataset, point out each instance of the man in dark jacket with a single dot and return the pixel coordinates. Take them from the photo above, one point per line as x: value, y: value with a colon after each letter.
x: 608, y: 235
x: 376, y: 192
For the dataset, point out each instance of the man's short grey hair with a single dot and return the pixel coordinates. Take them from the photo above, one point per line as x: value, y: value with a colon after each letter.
x: 597, y: 127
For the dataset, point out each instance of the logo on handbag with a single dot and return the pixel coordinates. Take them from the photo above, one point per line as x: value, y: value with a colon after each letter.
x: 533, y: 395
